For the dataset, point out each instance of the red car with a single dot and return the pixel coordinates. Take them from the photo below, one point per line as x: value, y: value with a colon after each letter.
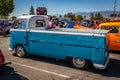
x: 2, y: 59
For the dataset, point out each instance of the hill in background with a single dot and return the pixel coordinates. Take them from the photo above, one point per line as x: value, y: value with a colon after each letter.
x: 104, y: 13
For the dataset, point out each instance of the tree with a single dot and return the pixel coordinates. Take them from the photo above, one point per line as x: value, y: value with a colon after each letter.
x: 6, y: 7
x: 13, y: 17
x: 31, y: 12
x: 118, y: 15
x: 78, y: 17
x: 98, y: 16
x: 113, y: 15
x: 52, y: 17
x: 70, y: 15
x: 92, y: 16
x: 60, y: 16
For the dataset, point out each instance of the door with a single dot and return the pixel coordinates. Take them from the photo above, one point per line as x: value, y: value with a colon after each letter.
x: 36, y: 42
x: 19, y: 37
x: 19, y: 31
x: 36, y: 35
x: 114, y: 38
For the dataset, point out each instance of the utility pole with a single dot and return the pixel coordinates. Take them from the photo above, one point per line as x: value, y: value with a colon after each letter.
x: 57, y: 13
x: 114, y: 8
x: 43, y: 5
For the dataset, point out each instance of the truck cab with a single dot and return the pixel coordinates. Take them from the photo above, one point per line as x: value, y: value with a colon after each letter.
x: 113, y: 35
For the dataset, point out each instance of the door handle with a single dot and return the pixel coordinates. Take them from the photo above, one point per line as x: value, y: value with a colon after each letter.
x: 60, y: 44
x: 42, y: 41
x: 117, y: 41
x: 117, y: 34
x: 24, y: 36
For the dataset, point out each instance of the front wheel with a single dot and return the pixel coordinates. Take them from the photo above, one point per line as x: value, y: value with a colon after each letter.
x: 79, y: 63
x: 20, y: 51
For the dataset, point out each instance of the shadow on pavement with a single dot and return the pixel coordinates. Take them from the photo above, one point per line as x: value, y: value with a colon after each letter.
x: 114, y: 52
x: 8, y: 73
x: 113, y: 69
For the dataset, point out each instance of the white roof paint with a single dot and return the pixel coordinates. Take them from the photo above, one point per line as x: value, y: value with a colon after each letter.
x: 29, y: 16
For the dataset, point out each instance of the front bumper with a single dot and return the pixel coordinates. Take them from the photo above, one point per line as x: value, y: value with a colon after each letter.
x: 102, y: 67
x: 10, y: 49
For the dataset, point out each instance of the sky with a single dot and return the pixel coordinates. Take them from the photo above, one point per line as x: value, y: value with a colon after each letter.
x: 64, y: 6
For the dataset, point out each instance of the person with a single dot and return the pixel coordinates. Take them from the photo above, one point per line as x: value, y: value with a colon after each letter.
x: 61, y: 24
x: 70, y: 24
x: 3, y: 30
x: 1, y: 26
x: 65, y: 24
x: 52, y: 23
x: 77, y: 23
x: 39, y: 24
x: 91, y: 24
x: 95, y: 26
x: 7, y: 28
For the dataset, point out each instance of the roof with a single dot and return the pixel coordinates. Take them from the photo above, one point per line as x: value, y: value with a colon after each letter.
x: 111, y: 23
x: 3, y: 19
x: 41, y: 8
x: 29, y: 16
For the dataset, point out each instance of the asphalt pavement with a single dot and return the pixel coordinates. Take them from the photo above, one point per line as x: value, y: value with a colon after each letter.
x: 43, y: 68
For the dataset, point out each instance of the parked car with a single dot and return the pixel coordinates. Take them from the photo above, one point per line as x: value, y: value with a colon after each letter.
x: 5, y: 26
x: 85, y: 23
x: 78, y: 46
x: 2, y: 59
x: 113, y: 35
x: 80, y: 27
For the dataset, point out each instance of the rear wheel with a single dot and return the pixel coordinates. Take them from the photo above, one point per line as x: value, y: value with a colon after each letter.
x: 79, y: 63
x: 20, y: 51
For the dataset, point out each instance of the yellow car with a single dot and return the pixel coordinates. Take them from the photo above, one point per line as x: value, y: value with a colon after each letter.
x: 114, y: 35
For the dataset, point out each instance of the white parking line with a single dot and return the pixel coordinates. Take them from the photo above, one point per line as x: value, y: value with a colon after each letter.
x: 42, y: 70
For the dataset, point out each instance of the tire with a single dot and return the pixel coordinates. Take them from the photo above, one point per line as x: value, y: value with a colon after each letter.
x: 20, y: 52
x: 79, y: 63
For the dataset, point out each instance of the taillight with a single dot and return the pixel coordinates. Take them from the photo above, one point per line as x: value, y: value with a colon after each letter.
x: 107, y: 40
x: 106, y: 54
x: 0, y: 52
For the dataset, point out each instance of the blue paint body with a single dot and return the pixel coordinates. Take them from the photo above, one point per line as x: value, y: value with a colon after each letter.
x: 60, y: 45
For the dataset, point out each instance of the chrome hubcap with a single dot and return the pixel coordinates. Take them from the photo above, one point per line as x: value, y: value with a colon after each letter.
x: 78, y: 62
x: 20, y: 51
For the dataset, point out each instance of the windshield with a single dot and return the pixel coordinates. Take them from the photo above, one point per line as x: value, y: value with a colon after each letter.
x: 113, y: 29
x: 20, y: 24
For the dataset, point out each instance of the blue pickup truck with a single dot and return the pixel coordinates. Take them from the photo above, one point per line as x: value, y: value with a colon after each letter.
x: 79, y: 46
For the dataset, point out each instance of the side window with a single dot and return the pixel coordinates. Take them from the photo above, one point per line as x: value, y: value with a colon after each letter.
x: 104, y: 27
x: 20, y: 24
x: 114, y: 29
x: 40, y: 23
